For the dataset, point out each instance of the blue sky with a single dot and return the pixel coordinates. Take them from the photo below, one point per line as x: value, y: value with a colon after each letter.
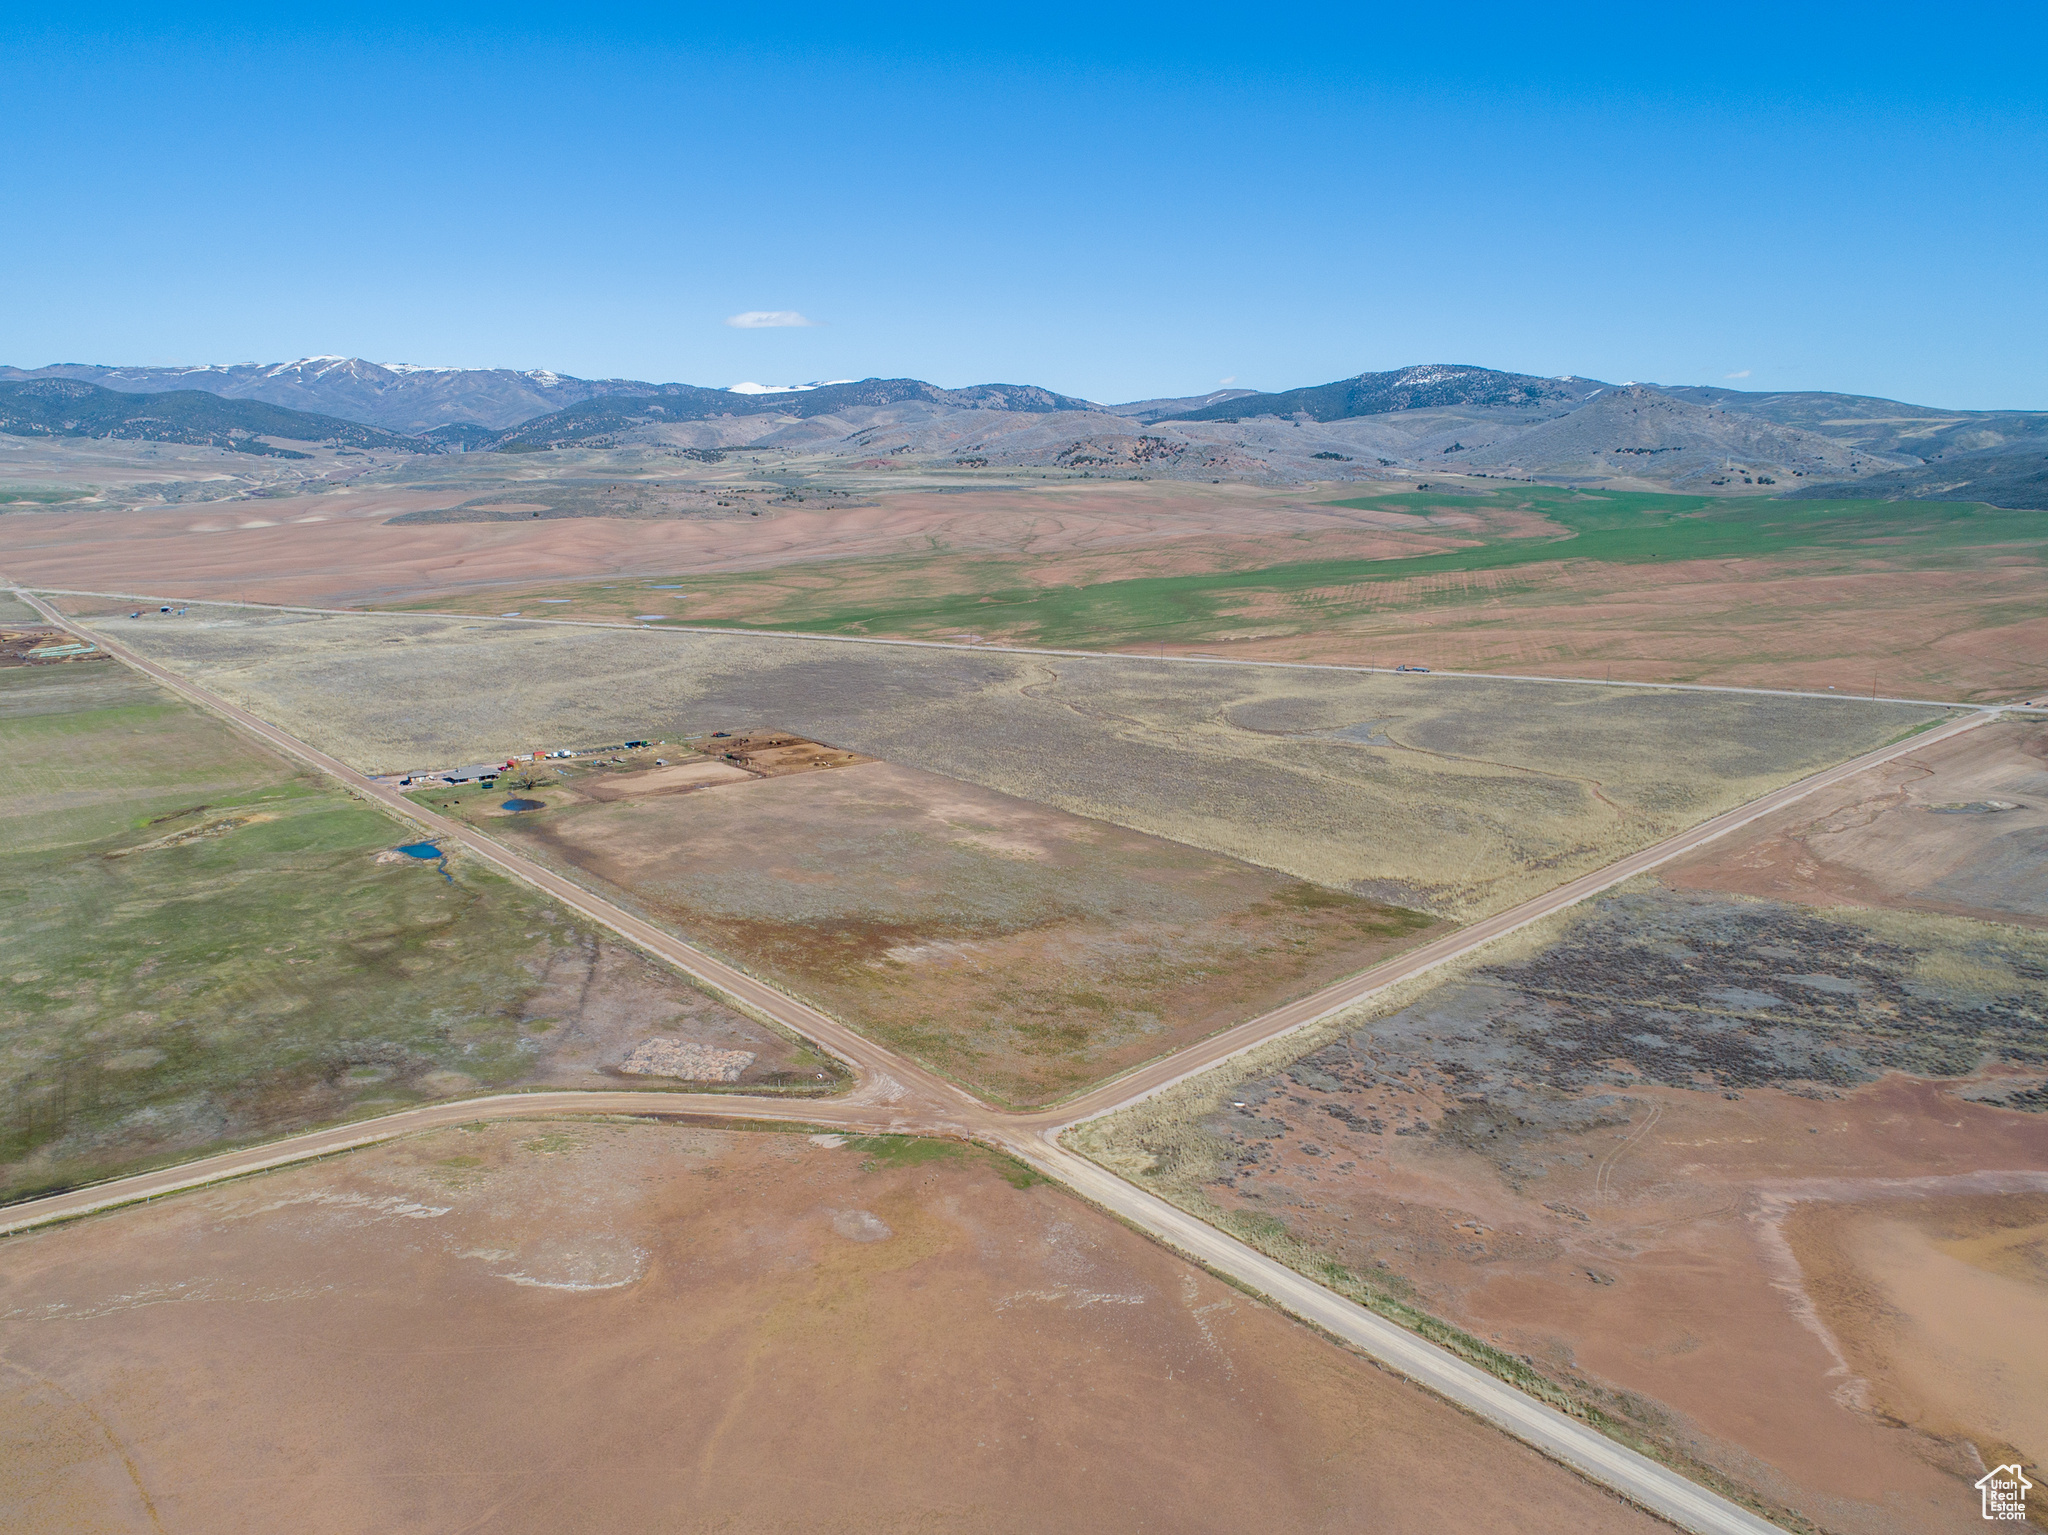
x: 1113, y: 205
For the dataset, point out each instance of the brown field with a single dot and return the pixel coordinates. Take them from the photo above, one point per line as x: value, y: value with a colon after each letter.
x: 1938, y: 1300
x: 678, y: 778
x: 1960, y: 828
x: 1021, y: 950
x: 342, y: 549
x: 1969, y: 635
x: 1661, y: 1155
x: 1458, y: 796
x: 606, y: 1327
x: 1965, y: 629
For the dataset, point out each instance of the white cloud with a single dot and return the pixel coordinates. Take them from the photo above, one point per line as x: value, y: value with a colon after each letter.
x: 1743, y: 374
x: 767, y: 319
x: 1230, y: 380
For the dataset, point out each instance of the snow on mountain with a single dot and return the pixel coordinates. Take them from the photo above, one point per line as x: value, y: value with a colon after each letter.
x: 403, y: 397
x: 817, y: 383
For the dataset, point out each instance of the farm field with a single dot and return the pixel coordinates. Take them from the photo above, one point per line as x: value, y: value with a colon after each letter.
x: 1025, y: 952
x: 1761, y: 1179
x: 1917, y: 599
x: 14, y: 611
x: 205, y: 946
x: 1920, y: 599
x: 1454, y: 796
x: 371, y: 542
x: 813, y: 1334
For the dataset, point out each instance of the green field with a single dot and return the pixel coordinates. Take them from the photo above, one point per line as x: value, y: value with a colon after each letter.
x: 14, y: 611
x: 1021, y: 600
x: 1617, y: 528
x: 201, y: 947
x: 40, y: 495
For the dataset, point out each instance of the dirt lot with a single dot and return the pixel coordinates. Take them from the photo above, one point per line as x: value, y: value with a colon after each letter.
x: 1960, y: 828
x: 1453, y: 795
x: 1610, y: 1150
x: 44, y: 645
x: 607, y: 1327
x: 1938, y: 1298
x: 204, y: 945
x: 1024, y: 951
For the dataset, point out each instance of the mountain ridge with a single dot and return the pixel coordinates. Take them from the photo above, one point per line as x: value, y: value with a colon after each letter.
x: 1420, y: 420
x: 1421, y: 386
x: 399, y: 397
x: 62, y: 407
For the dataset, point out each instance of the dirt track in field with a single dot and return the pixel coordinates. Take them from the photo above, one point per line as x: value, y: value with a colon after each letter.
x: 612, y: 1328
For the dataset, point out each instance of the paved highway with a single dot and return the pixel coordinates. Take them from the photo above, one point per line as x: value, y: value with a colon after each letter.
x: 897, y: 1095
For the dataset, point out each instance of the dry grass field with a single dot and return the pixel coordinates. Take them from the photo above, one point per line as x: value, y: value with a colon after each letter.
x: 1791, y: 622
x: 1021, y: 950
x: 204, y: 945
x: 1452, y: 795
x: 352, y: 545
x: 1923, y: 601
x: 1761, y: 1180
x: 1937, y: 600
x: 609, y: 1327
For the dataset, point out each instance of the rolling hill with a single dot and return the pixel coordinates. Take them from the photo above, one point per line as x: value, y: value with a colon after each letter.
x: 58, y: 407
x: 1424, y: 387
x: 1637, y: 432
x: 398, y: 397
x: 602, y: 419
x: 1428, y: 419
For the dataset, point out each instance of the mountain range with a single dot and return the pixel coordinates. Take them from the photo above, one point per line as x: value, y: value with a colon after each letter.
x: 398, y: 397
x: 64, y: 407
x: 1407, y: 422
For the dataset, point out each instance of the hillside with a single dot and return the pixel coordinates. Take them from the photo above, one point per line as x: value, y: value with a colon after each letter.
x: 1426, y: 386
x: 417, y: 400
x: 56, y: 407
x: 1640, y: 433
x: 1181, y: 405
x: 399, y: 398
x: 2014, y: 475
x: 1880, y: 426
x: 595, y: 422
x: 1420, y: 421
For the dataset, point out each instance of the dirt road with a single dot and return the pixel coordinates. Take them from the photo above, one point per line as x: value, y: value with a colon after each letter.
x: 894, y: 1094
x: 1177, y: 658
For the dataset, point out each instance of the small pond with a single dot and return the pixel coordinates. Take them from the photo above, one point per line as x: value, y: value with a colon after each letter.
x: 420, y: 850
x: 524, y: 804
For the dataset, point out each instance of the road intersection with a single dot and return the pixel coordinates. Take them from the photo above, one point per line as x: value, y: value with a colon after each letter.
x: 894, y: 1095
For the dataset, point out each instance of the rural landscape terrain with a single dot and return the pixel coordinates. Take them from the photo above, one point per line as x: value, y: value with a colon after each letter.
x: 981, y: 960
